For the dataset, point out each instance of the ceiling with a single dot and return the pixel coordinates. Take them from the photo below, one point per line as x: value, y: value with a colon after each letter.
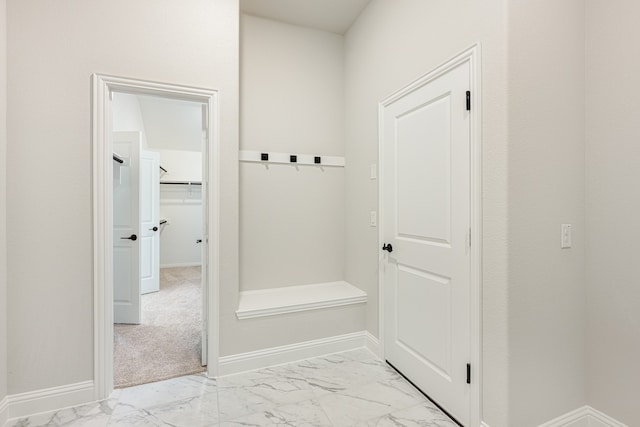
x: 171, y: 124
x: 335, y: 16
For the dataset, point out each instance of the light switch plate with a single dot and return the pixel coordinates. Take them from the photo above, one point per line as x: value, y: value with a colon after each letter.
x: 565, y: 238
x: 373, y: 171
x: 373, y: 218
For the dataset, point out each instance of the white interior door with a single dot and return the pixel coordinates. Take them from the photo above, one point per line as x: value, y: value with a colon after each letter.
x: 205, y: 235
x: 150, y: 222
x: 126, y: 229
x: 426, y: 220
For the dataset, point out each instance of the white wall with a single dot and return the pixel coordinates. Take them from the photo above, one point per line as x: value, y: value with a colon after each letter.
x: 546, y: 189
x: 291, y: 88
x: 180, y: 165
x: 172, y: 124
x: 181, y: 206
x: 3, y: 200
x: 126, y: 116
x: 613, y: 203
x: 292, y: 225
x: 390, y: 45
x: 292, y: 220
x: 53, y: 49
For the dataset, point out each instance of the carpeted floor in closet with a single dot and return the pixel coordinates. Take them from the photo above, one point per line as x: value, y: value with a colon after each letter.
x: 168, y: 342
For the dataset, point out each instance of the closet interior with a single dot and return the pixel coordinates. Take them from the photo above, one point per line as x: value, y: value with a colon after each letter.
x: 158, y: 304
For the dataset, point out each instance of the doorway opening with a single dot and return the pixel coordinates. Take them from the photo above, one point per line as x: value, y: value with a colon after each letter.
x: 157, y: 170
x: 155, y: 195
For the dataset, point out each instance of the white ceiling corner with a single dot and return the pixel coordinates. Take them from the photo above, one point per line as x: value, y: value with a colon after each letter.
x: 335, y: 16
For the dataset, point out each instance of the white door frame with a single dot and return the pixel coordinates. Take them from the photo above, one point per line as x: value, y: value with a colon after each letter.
x: 103, y: 87
x: 472, y: 57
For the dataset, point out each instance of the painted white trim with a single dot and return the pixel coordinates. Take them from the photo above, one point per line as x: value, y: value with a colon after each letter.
x: 102, y: 173
x: 273, y: 356
x: 600, y: 419
x: 4, y: 410
x: 371, y: 343
x: 574, y: 418
x: 292, y: 299
x: 483, y: 424
x: 283, y: 158
x: 49, y: 399
x: 583, y: 417
x: 473, y: 56
x: 183, y: 264
x: 475, y: 62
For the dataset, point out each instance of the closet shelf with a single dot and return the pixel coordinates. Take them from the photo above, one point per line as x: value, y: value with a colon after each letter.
x: 181, y: 182
x: 290, y: 158
x: 292, y: 299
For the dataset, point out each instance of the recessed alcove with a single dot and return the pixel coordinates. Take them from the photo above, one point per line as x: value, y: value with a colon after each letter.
x: 292, y: 167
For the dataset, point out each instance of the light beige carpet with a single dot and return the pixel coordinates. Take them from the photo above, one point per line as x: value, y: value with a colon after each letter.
x: 168, y: 342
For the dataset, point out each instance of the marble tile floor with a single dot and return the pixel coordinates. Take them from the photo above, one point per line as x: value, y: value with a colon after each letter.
x: 353, y: 388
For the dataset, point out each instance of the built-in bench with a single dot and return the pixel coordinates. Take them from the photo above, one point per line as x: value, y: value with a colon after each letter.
x: 291, y: 299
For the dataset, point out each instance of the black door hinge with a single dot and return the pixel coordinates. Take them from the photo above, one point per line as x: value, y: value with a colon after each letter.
x: 468, y: 100
x: 468, y: 373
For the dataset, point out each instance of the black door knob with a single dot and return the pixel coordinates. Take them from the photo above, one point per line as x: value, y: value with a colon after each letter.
x: 154, y: 229
x: 387, y: 247
x: 132, y: 237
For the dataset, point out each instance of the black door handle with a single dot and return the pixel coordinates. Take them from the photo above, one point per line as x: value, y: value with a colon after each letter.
x: 132, y: 237
x: 199, y: 241
x: 154, y: 229
x: 387, y: 247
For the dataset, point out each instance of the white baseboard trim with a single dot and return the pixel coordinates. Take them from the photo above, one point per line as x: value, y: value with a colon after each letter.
x: 372, y: 343
x: 50, y: 399
x: 4, y: 410
x: 583, y: 417
x: 600, y: 419
x: 243, y: 362
x: 483, y: 424
x: 576, y: 418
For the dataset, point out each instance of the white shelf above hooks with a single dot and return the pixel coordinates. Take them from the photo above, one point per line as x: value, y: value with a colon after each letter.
x: 290, y: 159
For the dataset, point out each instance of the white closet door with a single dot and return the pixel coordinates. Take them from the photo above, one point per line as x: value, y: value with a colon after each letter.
x: 426, y: 200
x: 126, y: 229
x: 150, y: 222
